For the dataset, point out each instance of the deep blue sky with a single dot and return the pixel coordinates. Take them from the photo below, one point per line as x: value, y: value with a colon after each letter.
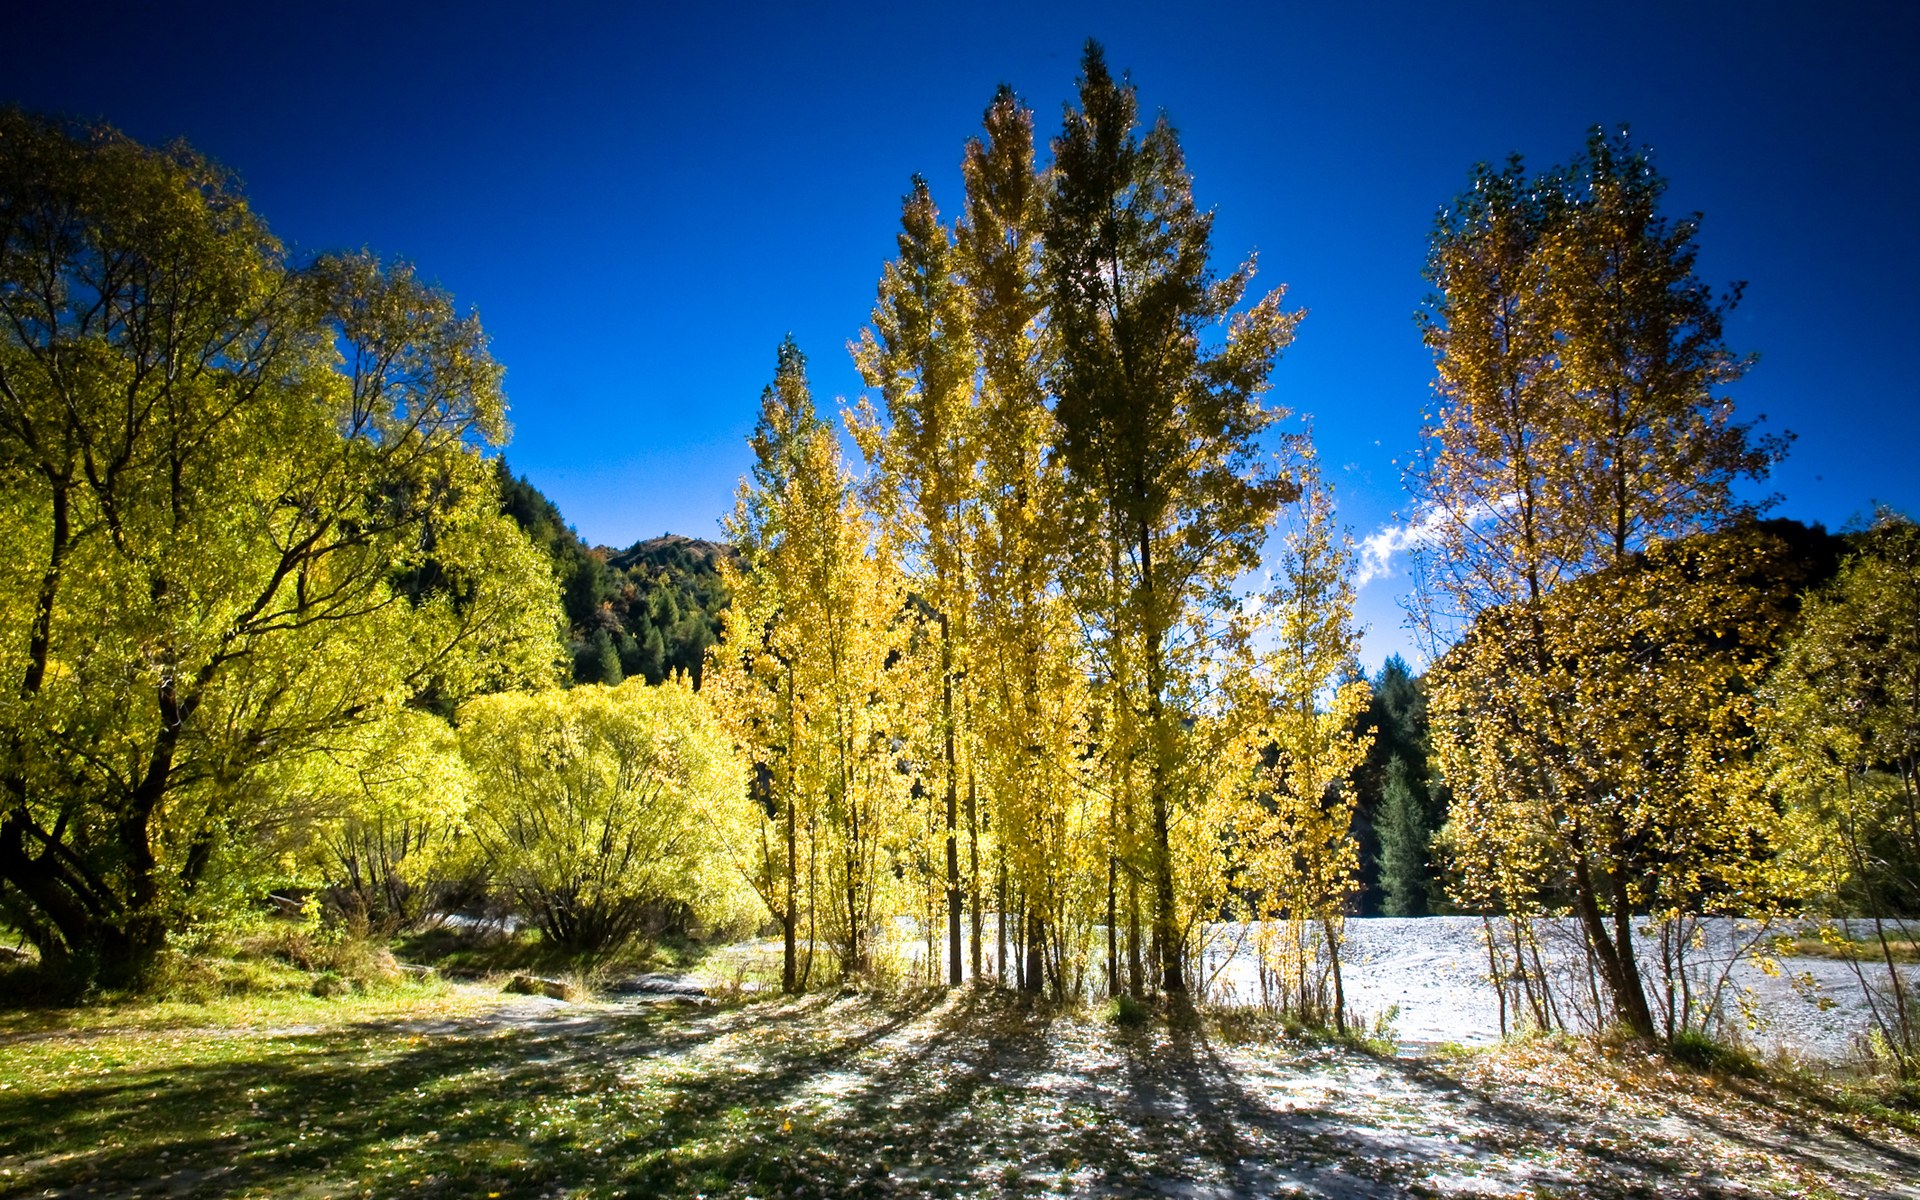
x: 642, y: 201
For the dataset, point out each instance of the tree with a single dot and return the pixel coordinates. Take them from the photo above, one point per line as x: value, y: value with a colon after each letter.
x: 1397, y: 717
x: 1843, y: 714
x: 388, y: 803
x: 1158, y: 384
x: 255, y: 512
x: 1404, y: 834
x: 1302, y: 861
x: 801, y: 677
x: 1031, y: 720
x: 1579, y: 425
x: 923, y: 449
x: 601, y: 808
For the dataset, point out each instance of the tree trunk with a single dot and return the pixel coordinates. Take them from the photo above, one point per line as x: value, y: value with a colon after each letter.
x: 1623, y: 982
x: 973, y: 871
x: 1000, y: 924
x: 1113, y: 928
x: 954, y: 974
x: 1036, y: 950
x: 790, y: 925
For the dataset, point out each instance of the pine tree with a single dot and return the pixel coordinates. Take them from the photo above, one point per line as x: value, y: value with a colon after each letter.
x: 1403, y: 845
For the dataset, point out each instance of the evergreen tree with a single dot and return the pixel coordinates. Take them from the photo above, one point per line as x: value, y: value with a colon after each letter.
x: 1396, y: 716
x: 1404, y: 834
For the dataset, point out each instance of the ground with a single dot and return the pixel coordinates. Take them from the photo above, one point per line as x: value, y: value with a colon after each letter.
x: 458, y: 1092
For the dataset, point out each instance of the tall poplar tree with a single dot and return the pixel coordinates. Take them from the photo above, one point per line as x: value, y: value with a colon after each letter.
x: 1031, y: 684
x: 1158, y: 385
x: 924, y: 448
x: 817, y: 617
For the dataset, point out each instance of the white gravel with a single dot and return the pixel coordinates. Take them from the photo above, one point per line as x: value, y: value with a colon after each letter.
x: 1434, y: 969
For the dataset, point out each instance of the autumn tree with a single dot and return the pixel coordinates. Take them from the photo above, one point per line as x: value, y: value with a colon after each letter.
x: 1032, y: 685
x: 248, y: 510
x: 1157, y: 386
x: 601, y: 809
x: 1843, y: 714
x: 923, y: 447
x: 1579, y: 425
x: 1301, y: 857
x: 818, y: 617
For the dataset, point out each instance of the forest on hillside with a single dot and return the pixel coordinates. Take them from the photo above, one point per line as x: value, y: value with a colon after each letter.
x: 1042, y: 649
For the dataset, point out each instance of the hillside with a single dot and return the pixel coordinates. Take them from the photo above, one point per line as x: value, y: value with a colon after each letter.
x: 650, y: 610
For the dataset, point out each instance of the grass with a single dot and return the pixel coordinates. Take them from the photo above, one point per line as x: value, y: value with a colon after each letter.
x: 254, y: 997
x: 429, y: 1089
x: 1861, y: 949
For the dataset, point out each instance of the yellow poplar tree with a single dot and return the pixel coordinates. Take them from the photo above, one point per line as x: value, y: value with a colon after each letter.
x: 1158, y: 380
x: 923, y: 449
x: 1029, y: 676
x: 1302, y: 861
x: 801, y: 676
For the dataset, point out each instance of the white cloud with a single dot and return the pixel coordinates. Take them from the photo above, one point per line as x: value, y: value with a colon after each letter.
x: 1378, y: 548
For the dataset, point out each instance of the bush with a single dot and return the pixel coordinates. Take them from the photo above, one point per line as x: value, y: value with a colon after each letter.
x: 607, y: 812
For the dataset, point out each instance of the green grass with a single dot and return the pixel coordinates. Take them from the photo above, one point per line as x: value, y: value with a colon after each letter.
x: 1856, y: 949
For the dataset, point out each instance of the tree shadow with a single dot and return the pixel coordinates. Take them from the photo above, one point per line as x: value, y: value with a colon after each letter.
x: 515, y: 1109
x: 974, y: 1092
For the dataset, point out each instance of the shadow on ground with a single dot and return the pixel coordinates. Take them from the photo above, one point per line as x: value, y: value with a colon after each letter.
x: 961, y: 1095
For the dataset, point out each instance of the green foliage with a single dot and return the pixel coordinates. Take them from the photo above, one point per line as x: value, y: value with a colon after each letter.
x: 603, y: 809
x: 1404, y: 833
x: 1397, y: 717
x: 649, y: 611
x: 1844, y: 713
x: 386, y: 803
x: 668, y: 595
x: 249, y: 513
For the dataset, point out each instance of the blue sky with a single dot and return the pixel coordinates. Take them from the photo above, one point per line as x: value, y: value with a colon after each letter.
x: 642, y: 201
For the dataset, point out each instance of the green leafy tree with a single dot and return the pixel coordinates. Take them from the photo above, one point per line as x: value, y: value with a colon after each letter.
x: 386, y: 802
x: 248, y: 510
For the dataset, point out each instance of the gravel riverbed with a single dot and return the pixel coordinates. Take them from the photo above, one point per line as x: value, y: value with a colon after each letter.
x: 1435, y: 970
